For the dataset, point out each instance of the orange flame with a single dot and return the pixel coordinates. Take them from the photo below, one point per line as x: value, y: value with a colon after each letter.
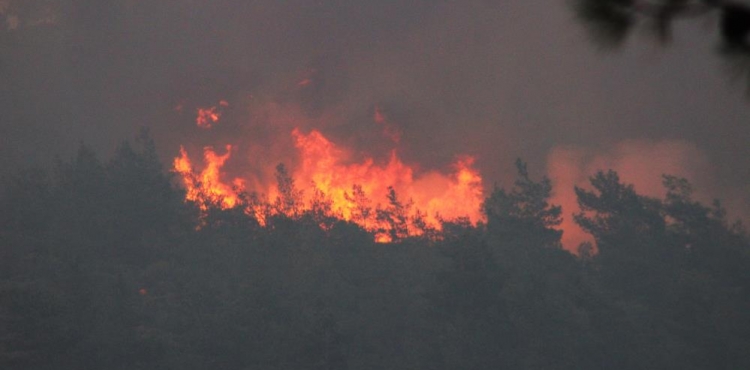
x: 323, y: 166
x: 207, y: 187
x: 355, y: 190
x: 207, y: 117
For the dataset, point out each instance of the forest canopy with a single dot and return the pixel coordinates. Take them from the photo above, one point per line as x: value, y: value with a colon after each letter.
x: 105, y: 265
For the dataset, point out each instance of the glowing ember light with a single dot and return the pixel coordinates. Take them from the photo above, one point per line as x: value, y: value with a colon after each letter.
x: 355, y: 190
x: 463, y: 195
x: 207, y: 117
x: 323, y: 165
x: 207, y: 187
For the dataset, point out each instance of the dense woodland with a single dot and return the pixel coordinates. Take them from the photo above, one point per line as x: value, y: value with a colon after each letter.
x: 105, y: 266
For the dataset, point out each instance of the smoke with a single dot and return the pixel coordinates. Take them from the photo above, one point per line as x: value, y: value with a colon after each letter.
x: 638, y: 162
x: 493, y: 80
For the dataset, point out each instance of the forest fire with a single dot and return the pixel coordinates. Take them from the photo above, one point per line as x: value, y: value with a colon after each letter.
x: 207, y: 117
x: 357, y: 190
x: 206, y: 187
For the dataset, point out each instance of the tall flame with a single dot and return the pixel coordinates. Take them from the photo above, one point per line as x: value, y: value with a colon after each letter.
x: 354, y: 189
x: 326, y: 167
x: 207, y: 117
x: 208, y: 185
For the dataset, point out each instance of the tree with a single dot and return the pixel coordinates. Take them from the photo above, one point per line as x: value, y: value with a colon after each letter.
x: 394, y: 218
x: 524, y: 213
x: 630, y: 234
x: 142, y: 202
x: 471, y: 316
x: 362, y: 212
x: 668, y: 287
x: 672, y: 267
x: 289, y: 202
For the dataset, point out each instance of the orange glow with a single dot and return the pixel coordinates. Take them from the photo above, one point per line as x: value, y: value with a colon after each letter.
x: 378, y: 191
x: 463, y: 194
x: 207, y: 117
x: 638, y: 162
x: 354, y: 188
x: 389, y: 130
x: 207, y: 187
x: 324, y: 166
x: 328, y: 169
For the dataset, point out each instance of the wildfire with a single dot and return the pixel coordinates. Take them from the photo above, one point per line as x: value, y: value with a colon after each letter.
x: 207, y: 186
x: 207, y: 117
x: 361, y: 190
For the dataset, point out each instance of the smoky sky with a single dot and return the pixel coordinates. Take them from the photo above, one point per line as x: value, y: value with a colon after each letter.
x: 497, y: 80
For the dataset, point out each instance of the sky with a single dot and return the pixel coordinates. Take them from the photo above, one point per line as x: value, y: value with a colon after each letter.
x: 497, y: 80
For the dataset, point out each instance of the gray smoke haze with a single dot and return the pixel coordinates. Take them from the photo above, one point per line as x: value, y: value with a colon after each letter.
x: 494, y: 79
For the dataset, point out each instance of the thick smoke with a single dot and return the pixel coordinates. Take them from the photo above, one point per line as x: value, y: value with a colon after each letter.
x: 496, y: 80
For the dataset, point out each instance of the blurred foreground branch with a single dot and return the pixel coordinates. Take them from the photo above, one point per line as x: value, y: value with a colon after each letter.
x: 610, y: 22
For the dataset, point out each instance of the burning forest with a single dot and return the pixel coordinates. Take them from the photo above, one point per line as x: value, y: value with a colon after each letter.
x: 328, y: 176
x: 366, y: 185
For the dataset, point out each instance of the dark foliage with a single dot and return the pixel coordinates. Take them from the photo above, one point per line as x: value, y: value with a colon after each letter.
x: 104, y: 266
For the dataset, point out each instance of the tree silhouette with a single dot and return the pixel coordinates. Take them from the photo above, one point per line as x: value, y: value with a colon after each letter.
x: 524, y: 213
x: 289, y: 201
x: 102, y: 266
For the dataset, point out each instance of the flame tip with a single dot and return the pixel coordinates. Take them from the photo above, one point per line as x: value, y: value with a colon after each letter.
x: 350, y: 190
